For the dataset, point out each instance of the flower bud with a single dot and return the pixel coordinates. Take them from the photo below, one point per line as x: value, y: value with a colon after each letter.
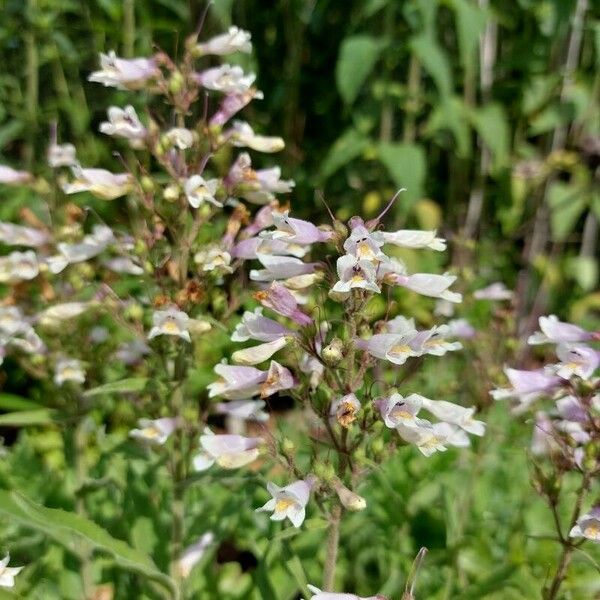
x: 324, y: 471
x: 348, y: 498
x: 134, y: 312
x: 378, y: 445
x: 288, y: 447
x: 176, y: 83
x: 147, y: 184
x: 171, y: 192
x: 333, y: 354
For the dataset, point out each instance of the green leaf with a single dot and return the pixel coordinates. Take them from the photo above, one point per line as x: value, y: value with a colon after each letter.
x: 78, y: 534
x: 434, y: 60
x: 124, y: 386
x: 345, y: 149
x: 492, y: 125
x: 293, y: 564
x: 14, y: 402
x: 450, y: 114
x: 406, y: 165
x: 7, y: 595
x: 357, y: 57
x: 470, y: 23
x: 23, y: 418
x: 566, y: 205
x: 584, y: 270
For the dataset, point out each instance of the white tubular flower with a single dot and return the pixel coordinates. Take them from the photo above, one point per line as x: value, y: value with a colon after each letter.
x: 214, y: 259
x: 414, y: 238
x: 181, y: 137
x: 288, y: 502
x: 192, y: 555
x: 122, y: 73
x: 400, y: 411
x: 454, y: 414
x: 363, y: 244
x: 62, y: 312
x: 170, y: 322
x: 154, y: 431
x: 227, y: 79
x: 588, y: 526
x: 494, y: 291
x: 61, y: 155
x: 123, y: 122
x: 428, y: 284
x: 355, y: 274
x: 242, y: 135
x: 69, y: 369
x: 8, y: 574
x: 258, y: 354
x: 349, y: 499
x: 19, y: 266
x: 10, y: 176
x: 576, y: 359
x: 17, y: 235
x: 433, y: 341
x: 124, y: 264
x: 227, y: 451
x: 247, y: 410
x: 99, y: 182
x: 344, y: 410
x: 198, y: 191
x: 12, y: 320
x: 319, y: 595
x: 235, y: 40
x: 31, y: 343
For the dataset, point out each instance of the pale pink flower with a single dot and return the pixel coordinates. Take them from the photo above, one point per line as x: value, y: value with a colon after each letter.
x: 558, y: 332
x: 10, y: 176
x: 198, y: 190
x: 123, y: 122
x: 132, y: 73
x: 494, y: 291
x: 282, y: 301
x: 355, y: 274
x: 227, y: 79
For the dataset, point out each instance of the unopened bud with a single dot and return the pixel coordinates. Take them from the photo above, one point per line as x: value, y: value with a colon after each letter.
x: 171, y: 192
x: 332, y: 354
x: 378, y: 445
x: 324, y: 471
x: 147, y: 184
x: 176, y: 83
x: 134, y: 312
x: 288, y: 447
x: 348, y: 498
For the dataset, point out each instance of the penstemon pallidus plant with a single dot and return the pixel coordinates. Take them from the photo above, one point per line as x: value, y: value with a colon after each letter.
x: 566, y: 434
x: 93, y: 310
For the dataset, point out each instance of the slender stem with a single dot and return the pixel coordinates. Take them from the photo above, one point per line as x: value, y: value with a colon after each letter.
x: 333, y: 541
x: 551, y: 593
x: 32, y: 90
x: 128, y: 28
x: 80, y: 468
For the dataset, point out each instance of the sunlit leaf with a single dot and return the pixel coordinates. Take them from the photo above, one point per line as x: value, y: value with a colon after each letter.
x: 357, y: 57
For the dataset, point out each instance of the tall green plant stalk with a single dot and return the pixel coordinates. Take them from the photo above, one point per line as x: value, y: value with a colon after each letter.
x: 32, y: 84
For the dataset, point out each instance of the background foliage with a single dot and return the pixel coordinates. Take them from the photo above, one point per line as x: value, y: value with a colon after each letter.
x: 488, y: 113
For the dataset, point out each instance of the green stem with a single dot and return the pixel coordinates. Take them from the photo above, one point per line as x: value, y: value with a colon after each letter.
x: 32, y: 79
x: 79, y: 448
x: 128, y: 28
x: 333, y: 541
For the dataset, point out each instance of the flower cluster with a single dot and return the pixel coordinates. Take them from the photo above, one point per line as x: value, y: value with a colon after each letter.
x: 566, y: 398
x: 331, y: 357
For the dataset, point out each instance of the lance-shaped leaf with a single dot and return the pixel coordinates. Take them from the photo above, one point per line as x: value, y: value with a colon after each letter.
x: 124, y: 386
x: 78, y: 534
